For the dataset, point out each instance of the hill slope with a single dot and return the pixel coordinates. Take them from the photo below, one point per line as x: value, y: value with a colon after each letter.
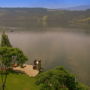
x: 22, y: 18
x: 81, y: 7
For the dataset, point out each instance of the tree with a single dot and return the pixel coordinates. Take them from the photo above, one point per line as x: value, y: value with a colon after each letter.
x: 55, y: 79
x: 5, y: 41
x: 9, y: 54
x: 8, y: 57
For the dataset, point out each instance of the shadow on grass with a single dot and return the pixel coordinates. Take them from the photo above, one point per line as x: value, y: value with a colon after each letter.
x: 15, y: 71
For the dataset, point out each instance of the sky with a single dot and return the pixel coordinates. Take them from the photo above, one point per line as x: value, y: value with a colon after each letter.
x: 43, y: 3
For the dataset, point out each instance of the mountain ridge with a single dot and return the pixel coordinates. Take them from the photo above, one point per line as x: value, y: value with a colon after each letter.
x: 80, y: 7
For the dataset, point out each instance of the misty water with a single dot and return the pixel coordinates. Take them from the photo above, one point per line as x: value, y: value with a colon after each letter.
x: 68, y: 49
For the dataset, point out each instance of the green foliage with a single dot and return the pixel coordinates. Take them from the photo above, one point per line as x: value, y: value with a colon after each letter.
x: 5, y: 41
x: 57, y: 79
x: 8, y: 57
x: 81, y: 86
x: 7, y: 54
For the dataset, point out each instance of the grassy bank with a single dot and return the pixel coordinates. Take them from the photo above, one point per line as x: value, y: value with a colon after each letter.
x: 20, y: 82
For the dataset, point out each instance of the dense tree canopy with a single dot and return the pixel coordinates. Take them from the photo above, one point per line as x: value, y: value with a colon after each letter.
x: 10, y: 56
x: 58, y: 79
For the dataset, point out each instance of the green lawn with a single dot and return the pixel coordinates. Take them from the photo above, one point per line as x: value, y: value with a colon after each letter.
x: 20, y: 82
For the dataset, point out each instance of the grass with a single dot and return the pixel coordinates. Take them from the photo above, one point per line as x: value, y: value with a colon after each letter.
x: 20, y: 82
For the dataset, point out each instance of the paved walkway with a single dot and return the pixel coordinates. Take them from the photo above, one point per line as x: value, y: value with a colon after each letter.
x: 28, y: 69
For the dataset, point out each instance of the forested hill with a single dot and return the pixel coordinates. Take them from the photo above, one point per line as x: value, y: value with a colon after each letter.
x: 42, y: 17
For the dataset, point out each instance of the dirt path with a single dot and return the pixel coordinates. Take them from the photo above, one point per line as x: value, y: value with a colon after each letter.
x: 28, y: 69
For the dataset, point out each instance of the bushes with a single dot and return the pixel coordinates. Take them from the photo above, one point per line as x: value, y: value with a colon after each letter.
x: 58, y: 79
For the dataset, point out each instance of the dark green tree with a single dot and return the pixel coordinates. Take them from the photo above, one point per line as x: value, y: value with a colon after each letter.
x: 5, y: 41
x: 12, y: 56
x: 56, y: 79
x: 8, y: 57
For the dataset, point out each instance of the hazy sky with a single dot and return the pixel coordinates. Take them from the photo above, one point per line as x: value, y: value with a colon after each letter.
x: 43, y: 3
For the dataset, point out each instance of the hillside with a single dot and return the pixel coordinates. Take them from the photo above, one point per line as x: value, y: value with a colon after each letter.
x: 81, y: 7
x: 20, y: 18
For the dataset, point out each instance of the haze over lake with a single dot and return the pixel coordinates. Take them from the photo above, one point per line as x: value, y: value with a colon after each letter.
x: 68, y: 49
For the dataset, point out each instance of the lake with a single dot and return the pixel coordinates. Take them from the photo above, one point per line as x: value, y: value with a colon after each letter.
x: 68, y: 49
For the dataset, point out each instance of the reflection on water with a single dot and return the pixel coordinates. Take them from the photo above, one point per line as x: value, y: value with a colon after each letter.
x: 71, y: 50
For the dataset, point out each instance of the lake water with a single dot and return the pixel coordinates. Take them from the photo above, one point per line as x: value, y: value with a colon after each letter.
x: 68, y: 49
